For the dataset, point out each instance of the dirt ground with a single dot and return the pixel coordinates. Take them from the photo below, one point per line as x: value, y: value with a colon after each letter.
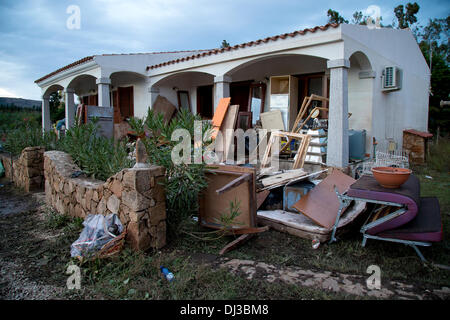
x: 34, y: 255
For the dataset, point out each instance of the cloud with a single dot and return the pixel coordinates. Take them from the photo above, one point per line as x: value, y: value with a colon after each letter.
x: 34, y: 39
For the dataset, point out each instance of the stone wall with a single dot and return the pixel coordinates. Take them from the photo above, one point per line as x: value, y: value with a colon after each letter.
x: 27, y: 170
x: 135, y: 194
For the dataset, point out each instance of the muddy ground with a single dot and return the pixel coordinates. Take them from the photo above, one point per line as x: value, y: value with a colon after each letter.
x: 35, y: 254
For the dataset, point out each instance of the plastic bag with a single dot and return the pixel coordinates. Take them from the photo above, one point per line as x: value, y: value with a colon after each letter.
x: 98, y: 230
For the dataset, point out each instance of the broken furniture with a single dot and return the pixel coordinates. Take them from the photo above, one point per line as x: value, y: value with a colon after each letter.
x: 301, y: 226
x: 299, y: 158
x: 284, y: 97
x: 403, y: 216
x: 227, y: 185
x: 321, y: 204
x: 415, y: 145
x: 103, y: 116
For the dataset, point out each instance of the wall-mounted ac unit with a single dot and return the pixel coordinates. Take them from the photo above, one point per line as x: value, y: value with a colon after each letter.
x: 391, y: 79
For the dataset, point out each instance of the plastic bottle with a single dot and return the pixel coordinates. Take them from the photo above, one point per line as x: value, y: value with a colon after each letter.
x: 167, y: 274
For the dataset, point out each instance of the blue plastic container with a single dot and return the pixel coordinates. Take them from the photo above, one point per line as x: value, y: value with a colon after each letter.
x: 357, y: 144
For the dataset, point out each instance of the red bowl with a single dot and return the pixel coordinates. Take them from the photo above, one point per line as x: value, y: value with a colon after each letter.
x: 390, y: 177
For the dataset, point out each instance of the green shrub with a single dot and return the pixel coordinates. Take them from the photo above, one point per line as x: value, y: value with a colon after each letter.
x: 98, y: 156
x: 30, y: 136
x: 15, y: 118
x: 183, y: 182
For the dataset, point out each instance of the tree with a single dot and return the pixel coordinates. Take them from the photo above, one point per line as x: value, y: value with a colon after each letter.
x: 358, y: 18
x: 57, y: 111
x: 436, y: 54
x: 225, y: 44
x: 335, y: 17
x: 406, y: 18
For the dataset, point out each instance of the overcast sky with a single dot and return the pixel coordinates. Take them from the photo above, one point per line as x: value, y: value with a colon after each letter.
x: 35, y: 40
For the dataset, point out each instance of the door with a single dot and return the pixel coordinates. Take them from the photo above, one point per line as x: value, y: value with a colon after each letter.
x: 126, y: 102
x: 115, y: 100
x: 239, y: 93
x: 205, y: 102
x: 318, y: 84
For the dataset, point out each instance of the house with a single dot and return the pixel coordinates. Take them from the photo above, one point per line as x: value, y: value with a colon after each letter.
x: 379, y: 76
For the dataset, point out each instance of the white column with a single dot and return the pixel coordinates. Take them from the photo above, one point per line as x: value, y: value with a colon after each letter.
x: 46, y: 122
x: 338, y: 149
x: 103, y: 92
x: 153, y: 93
x: 70, y: 107
x: 221, y: 89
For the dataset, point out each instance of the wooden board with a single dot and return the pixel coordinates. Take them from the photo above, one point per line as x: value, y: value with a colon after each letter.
x: 283, y: 177
x: 303, y: 227
x: 261, y: 197
x: 321, y: 204
x: 164, y: 106
x: 228, y: 136
x: 272, y: 120
x: 219, y: 115
x: 213, y: 205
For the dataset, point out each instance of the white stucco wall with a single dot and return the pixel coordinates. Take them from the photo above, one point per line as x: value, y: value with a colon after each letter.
x: 394, y: 111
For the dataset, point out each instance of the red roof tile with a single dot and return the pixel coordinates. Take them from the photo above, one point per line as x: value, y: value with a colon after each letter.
x: 247, y: 44
x: 81, y: 61
x: 419, y: 133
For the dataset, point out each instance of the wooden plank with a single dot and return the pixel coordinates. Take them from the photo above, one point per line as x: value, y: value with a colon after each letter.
x: 321, y: 204
x: 283, y: 177
x: 303, y: 227
x: 164, y: 106
x: 219, y: 115
x: 235, y: 183
x: 239, y: 241
x: 261, y: 197
x: 228, y: 135
x: 272, y: 120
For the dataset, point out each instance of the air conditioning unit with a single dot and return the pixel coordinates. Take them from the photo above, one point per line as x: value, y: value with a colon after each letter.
x: 391, y: 79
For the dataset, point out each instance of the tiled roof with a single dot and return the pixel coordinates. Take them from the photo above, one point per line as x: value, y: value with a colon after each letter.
x: 86, y: 59
x: 247, y: 44
x: 81, y: 61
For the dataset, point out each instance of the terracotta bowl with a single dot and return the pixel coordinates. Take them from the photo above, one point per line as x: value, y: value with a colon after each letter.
x: 390, y: 177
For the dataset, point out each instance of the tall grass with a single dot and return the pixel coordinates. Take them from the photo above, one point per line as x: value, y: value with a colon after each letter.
x: 439, y: 156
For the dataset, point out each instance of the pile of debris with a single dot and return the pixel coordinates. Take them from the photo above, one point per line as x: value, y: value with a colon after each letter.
x: 285, y: 195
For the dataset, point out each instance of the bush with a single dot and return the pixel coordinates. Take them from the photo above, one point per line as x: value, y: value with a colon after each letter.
x: 31, y: 136
x: 98, y: 156
x: 183, y: 182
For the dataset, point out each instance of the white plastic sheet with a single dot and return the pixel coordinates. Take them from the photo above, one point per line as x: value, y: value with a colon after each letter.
x: 98, y: 230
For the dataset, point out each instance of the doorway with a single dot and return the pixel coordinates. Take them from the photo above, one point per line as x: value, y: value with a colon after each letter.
x: 205, y: 102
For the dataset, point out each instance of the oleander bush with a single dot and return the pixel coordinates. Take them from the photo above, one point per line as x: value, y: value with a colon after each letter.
x: 97, y: 156
x: 183, y: 182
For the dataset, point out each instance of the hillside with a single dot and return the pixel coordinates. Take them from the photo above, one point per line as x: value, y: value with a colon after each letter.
x: 20, y: 103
